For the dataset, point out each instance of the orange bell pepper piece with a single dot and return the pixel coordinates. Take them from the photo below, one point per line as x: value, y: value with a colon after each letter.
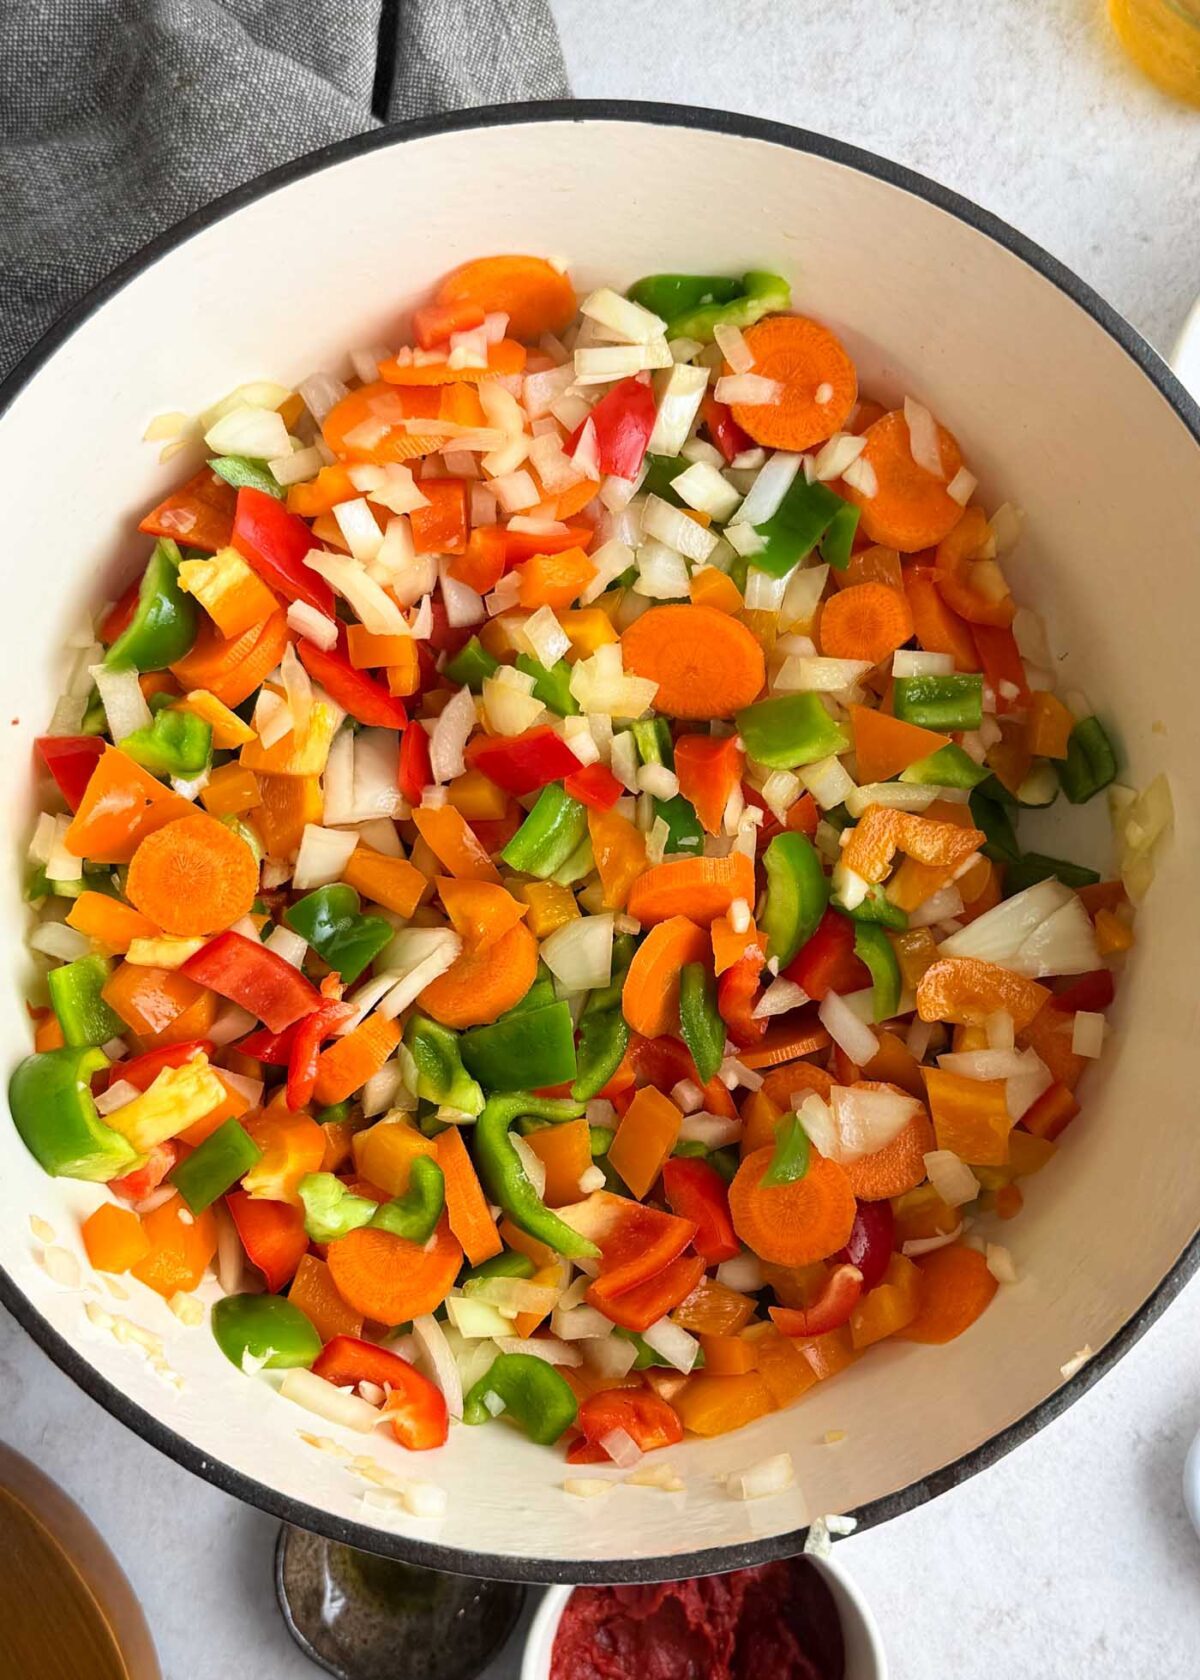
x: 888, y: 1307
x: 728, y: 1356
x: 709, y: 769
x: 646, y: 1135
x: 231, y: 791
x: 444, y: 830
x: 555, y: 580
x: 968, y: 990
x: 781, y: 1365
x: 232, y: 668
x: 391, y: 881
x: 730, y: 947
x: 121, y: 805
x: 114, y: 1238
x: 181, y: 1246
x: 368, y: 650
x: 715, y: 1405
x: 760, y: 1119
x: 970, y: 1116
x: 566, y: 1153
x: 292, y: 1145
x: 884, y: 745
x: 1048, y: 725
x: 713, y: 1309
x: 109, y: 922
x: 480, y: 912
x: 154, y: 1000
x: 288, y: 804
x: 881, y: 832
x: 385, y: 1152
x: 441, y: 527
x: 922, y: 1213
x: 313, y: 1291
x: 710, y: 587
x: 477, y: 797
x: 830, y: 1353
x: 620, y: 853
x: 1051, y: 1114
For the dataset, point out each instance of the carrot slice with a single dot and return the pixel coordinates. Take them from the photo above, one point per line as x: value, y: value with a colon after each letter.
x: 782, y: 1083
x: 506, y: 357
x: 973, y: 587
x: 650, y: 997
x: 900, y: 1164
x: 370, y: 424
x: 466, y: 1205
x: 798, y: 1035
x: 792, y: 1224
x: 390, y: 1279
x: 349, y: 1062
x: 956, y: 1286
x: 481, y: 984
x: 536, y: 296
x: 820, y: 385
x: 193, y: 876
x: 699, y: 888
x: 910, y: 508
x: 937, y: 627
x: 706, y: 664
x: 866, y: 621
x: 884, y: 745
x: 968, y: 990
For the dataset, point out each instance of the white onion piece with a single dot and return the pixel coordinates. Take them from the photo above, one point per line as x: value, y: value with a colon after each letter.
x: 579, y: 953
x: 375, y: 790
x: 998, y: 934
x: 438, y: 1362
x: 860, y: 476
x: 359, y: 528
x: 259, y: 433
x: 625, y: 319
x: 621, y: 1447
x: 802, y: 595
x: 923, y: 442
x: 124, y: 703
x: 379, y: 1093
x: 673, y: 527
x: 743, y: 1273
x: 314, y: 626
x: 909, y: 662
x: 1065, y: 943
x: 578, y: 1324
x: 1023, y: 1088
x: 117, y: 1095
x: 232, y: 1022
x: 1001, y: 1264
x: 1087, y: 1035
x: 672, y: 1343
x: 951, y: 1177
x: 609, y: 1356
x: 678, y: 392
x: 338, y: 780
x: 769, y: 488
x: 421, y: 954
x: 962, y: 487
x: 335, y: 1405
x: 780, y: 996
x: 749, y: 388
x: 547, y: 1348
x: 926, y: 1245
x: 321, y: 391
x: 938, y: 907
x: 464, y: 605
x: 761, y: 1480
x: 323, y: 855
x: 546, y: 637
x: 288, y: 945
x: 833, y: 458
x: 662, y: 572
x: 714, y: 1131
x: 450, y: 734
x: 703, y: 488
x: 373, y: 607
x: 983, y: 1064
x: 828, y: 781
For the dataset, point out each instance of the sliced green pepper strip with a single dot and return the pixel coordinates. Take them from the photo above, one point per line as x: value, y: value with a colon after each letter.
x: 939, y: 702
x: 538, y: 996
x: 660, y: 475
x: 535, y: 1047
x: 991, y: 815
x: 797, y: 894
x: 551, y: 684
x: 172, y: 744
x: 791, y: 730
x: 600, y: 1139
x: 790, y: 1157
x: 1090, y: 764
x: 268, y: 1328
x: 555, y: 826
x: 50, y: 1097
x: 603, y: 1041
x: 534, y: 1395
x: 330, y: 921
x: 805, y: 514
x: 215, y: 1165
x: 441, y: 1076
x: 510, y: 1264
x: 948, y: 767
x: 873, y: 947
x: 164, y: 622
x: 330, y: 1210
x: 1033, y: 867
x: 701, y: 1024
x: 245, y: 474
x: 335, y: 1115
x: 652, y: 738
x: 876, y: 907
x: 672, y: 295
x: 609, y: 997
x: 838, y: 541
x: 415, y: 1214
x: 505, y: 1177
x: 759, y: 294
x: 684, y: 833
x: 83, y: 1015
x: 470, y: 665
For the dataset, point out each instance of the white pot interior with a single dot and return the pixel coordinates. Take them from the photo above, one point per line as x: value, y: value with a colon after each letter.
x: 1053, y: 414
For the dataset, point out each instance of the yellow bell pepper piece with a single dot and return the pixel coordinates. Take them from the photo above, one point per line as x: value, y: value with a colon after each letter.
x: 232, y: 595
x: 231, y: 791
x: 550, y: 906
x: 228, y: 729
x: 291, y: 757
x: 287, y: 805
x: 385, y: 1152
x: 166, y: 951
x: 476, y: 797
x: 587, y: 628
x: 178, y: 1098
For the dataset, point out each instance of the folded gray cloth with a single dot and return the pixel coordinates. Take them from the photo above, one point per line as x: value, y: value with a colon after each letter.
x: 118, y: 117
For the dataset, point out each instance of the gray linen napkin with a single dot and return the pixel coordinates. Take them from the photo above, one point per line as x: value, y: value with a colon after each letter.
x: 118, y: 117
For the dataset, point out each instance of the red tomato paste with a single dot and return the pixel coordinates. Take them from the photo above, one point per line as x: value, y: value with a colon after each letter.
x: 774, y: 1623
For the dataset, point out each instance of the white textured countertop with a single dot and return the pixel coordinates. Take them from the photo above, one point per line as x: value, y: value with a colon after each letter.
x: 1073, y: 1556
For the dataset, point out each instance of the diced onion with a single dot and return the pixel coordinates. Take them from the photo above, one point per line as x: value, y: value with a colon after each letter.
x: 124, y: 703
x: 314, y: 626
x: 621, y: 1447
x: 1076, y: 1362
x: 908, y: 662
x: 1001, y: 1264
x: 259, y: 433
x: 802, y: 595
x: 421, y: 955
x: 780, y: 996
x: 769, y: 488
x: 1087, y: 1036
x: 703, y: 488
x: 926, y: 1245
x: 828, y: 781
x: 867, y: 1121
x: 714, y: 1131
x: 288, y: 945
x: 834, y: 457
x: 950, y: 1176
x: 999, y: 933
x: 116, y: 1096
x: 608, y: 1356
x: 819, y: 676
x: 624, y: 319
x: 674, y: 527
x: 763, y: 592
x: 547, y: 1348
x: 759, y: 1481
x: 749, y: 388
x: 333, y: 1404
x: 375, y: 609
x: 510, y: 707
x: 743, y: 1273
x: 321, y: 391
x: 323, y: 855
x: 673, y: 1344
x: 579, y: 953
x: 232, y: 1022
x: 940, y: 906
x: 577, y: 1324
x: 962, y: 487
x: 596, y: 365
x: 983, y: 1064
x: 850, y: 1034
x: 1023, y: 1088
x: 860, y: 476
x: 1139, y: 826
x: 454, y: 725
x: 923, y: 442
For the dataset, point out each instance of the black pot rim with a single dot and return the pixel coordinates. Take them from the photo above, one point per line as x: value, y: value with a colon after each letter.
x: 716, y: 1559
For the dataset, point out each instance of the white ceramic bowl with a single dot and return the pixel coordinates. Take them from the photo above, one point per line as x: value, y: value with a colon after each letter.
x: 865, y: 1656
x: 1060, y: 407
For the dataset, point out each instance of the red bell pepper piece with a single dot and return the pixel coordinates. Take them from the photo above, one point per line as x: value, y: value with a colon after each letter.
x: 639, y: 1308
x: 523, y: 545
x: 594, y: 785
x: 119, y: 616
x: 199, y: 514
x: 142, y: 1071
x: 649, y: 1420
x: 364, y: 697
x: 804, y: 817
x: 274, y: 1049
x: 1002, y: 663
x: 709, y: 769
x: 839, y: 1296
x: 872, y: 1239
x: 697, y: 1192
x: 416, y: 771
x: 261, y: 981
x: 276, y: 542
x: 737, y: 993
x: 624, y: 420
x: 641, y: 1242
x: 723, y: 430
x: 494, y: 833
x: 306, y: 1048
x: 665, y: 1061
x: 417, y: 1409
x: 522, y: 763
x: 826, y: 962
x: 135, y: 1185
x: 272, y: 1233
x: 446, y: 637
x: 70, y: 759
x: 1093, y: 991
x: 441, y: 528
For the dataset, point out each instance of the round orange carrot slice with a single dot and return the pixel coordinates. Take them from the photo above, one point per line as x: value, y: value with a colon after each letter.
x: 820, y: 385
x: 909, y: 508
x: 706, y: 664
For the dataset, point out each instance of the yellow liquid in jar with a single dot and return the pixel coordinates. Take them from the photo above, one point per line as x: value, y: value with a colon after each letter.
x: 1163, y: 37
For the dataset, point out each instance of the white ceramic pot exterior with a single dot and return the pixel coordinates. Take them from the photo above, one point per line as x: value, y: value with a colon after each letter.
x: 1053, y: 414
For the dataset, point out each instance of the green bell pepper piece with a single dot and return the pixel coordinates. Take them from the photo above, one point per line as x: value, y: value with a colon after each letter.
x: 672, y: 295
x: 991, y: 815
x: 415, y: 1214
x: 470, y: 665
x: 603, y: 1041
x: 215, y: 1165
x: 173, y: 744
x: 791, y: 730
x: 335, y: 1115
x: 539, y: 995
x: 1033, y: 867
x: 504, y: 1175
x: 510, y: 1264
x: 798, y: 524
x: 758, y: 293
x: 948, y: 767
x: 646, y: 1356
x: 609, y: 997
x: 551, y: 684
x: 82, y: 1013
x: 535, y: 1047
x: 441, y: 1076
x: 660, y: 475
x: 579, y: 865
x: 535, y: 1395
x: 790, y: 1157
x: 701, y: 1024
x: 245, y: 474
x: 50, y: 1096
x: 600, y: 1140
x: 838, y: 541
x: 939, y: 702
x: 330, y: 1210
x: 684, y: 834
x: 95, y: 719
x: 268, y: 1328
x: 876, y: 907
x: 652, y: 738
x: 726, y: 1161
x: 1090, y: 764
x: 330, y: 921
x: 873, y: 947
x: 164, y: 623
x: 797, y: 894
x: 550, y: 833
